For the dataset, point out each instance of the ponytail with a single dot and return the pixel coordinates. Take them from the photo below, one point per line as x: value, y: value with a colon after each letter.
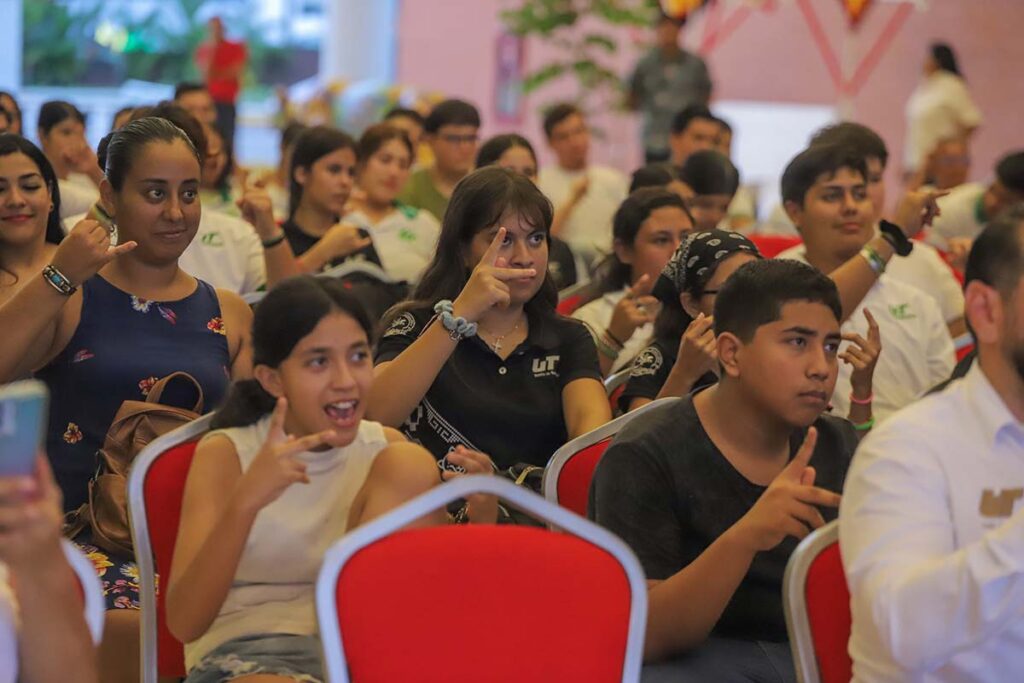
x: 246, y: 403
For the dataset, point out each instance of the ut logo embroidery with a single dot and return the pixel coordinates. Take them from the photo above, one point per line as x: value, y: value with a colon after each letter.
x: 212, y: 239
x: 900, y: 312
x: 545, y: 367
x: 1000, y: 505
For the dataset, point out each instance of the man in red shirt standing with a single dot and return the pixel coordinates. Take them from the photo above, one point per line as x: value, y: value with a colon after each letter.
x: 222, y: 63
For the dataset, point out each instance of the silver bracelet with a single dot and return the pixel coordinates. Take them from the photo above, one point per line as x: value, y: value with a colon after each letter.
x: 458, y: 327
x: 58, y: 281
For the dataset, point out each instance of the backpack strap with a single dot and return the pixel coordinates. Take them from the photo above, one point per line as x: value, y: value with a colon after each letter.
x: 157, y: 390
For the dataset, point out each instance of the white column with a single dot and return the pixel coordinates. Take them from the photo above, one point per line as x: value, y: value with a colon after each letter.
x: 359, y: 40
x: 10, y: 38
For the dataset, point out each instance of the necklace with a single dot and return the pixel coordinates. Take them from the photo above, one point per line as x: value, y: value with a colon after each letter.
x: 499, y: 338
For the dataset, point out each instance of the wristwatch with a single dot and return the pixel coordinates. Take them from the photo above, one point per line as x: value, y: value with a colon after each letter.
x: 894, y: 236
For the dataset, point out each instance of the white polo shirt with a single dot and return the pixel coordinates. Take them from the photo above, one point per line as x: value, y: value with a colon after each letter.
x: 917, y: 351
x: 597, y: 315
x: 405, y: 240
x: 77, y: 194
x: 961, y: 215
x: 226, y: 253
x: 588, y: 229
x: 931, y: 528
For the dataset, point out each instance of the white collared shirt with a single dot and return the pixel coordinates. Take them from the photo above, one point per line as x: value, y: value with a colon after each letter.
x: 931, y: 529
x: 597, y: 316
x: 924, y: 268
x: 959, y: 215
x: 917, y: 351
x: 588, y: 230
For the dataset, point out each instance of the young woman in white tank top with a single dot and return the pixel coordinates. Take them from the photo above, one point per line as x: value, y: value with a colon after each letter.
x: 290, y: 467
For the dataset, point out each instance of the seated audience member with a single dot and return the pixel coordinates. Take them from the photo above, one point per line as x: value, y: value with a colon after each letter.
x: 321, y: 178
x: 30, y: 227
x: 585, y: 195
x: 403, y: 236
x: 923, y: 267
x: 514, y: 152
x: 452, y: 132
x: 226, y: 252
x: 931, y: 524
x: 825, y: 192
x: 9, y: 104
x: 968, y: 208
x: 948, y: 165
x: 293, y: 451
x: 714, y: 491
x: 411, y: 121
x: 479, y: 357
x: 742, y: 212
x: 648, y: 228
x: 40, y: 607
x: 215, y: 192
x: 61, y: 133
x: 197, y: 101
x: 694, y: 129
x: 121, y: 117
x: 713, y: 180
x: 101, y: 324
x: 683, y: 355
x: 5, y: 121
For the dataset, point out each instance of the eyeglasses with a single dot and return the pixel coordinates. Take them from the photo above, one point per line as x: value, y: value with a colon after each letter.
x: 459, y: 139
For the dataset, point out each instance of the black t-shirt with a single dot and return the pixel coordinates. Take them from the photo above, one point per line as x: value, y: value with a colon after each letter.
x: 510, y: 409
x: 668, y: 492
x: 301, y: 242
x: 650, y: 371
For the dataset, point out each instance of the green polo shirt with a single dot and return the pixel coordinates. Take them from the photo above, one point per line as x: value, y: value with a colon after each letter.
x: 421, y: 193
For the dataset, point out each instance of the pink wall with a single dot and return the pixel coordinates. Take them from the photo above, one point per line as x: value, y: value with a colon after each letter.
x: 448, y: 45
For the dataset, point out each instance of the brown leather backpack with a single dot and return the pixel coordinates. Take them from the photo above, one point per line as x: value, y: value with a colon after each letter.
x: 136, y: 424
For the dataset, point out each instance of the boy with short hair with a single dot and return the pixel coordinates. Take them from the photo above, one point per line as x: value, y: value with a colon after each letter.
x: 714, y: 181
x: 713, y: 491
x: 694, y: 129
x: 452, y: 132
x: 585, y: 195
x: 825, y: 192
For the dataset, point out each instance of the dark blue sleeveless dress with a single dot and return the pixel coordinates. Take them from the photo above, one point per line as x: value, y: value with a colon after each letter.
x: 123, y: 345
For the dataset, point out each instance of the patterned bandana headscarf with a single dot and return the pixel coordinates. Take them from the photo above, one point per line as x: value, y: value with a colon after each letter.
x: 694, y: 261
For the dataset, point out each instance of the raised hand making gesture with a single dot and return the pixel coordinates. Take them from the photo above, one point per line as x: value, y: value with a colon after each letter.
x: 487, y: 286
x: 86, y: 250
x: 634, y: 310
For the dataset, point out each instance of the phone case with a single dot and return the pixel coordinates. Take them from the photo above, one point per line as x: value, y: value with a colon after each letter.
x: 23, y: 412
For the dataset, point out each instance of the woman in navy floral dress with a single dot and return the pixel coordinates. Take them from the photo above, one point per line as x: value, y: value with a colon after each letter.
x: 101, y: 324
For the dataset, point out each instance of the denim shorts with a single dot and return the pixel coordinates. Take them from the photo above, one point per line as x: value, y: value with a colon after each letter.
x: 296, y: 657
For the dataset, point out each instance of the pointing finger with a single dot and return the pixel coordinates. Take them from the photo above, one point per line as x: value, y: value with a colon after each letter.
x: 490, y: 256
x: 795, y: 469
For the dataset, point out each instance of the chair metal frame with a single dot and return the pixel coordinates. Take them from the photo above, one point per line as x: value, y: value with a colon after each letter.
x: 140, y: 536
x: 794, y: 600
x: 617, y: 379
x: 527, y: 501
x: 92, y: 589
x: 549, y: 485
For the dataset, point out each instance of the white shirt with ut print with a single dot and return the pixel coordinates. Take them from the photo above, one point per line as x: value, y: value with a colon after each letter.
x: 917, y: 351
x: 931, y: 528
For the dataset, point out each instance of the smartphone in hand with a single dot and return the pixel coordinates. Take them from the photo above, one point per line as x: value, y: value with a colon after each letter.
x: 23, y: 414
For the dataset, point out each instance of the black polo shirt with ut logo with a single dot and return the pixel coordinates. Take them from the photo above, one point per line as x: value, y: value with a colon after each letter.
x: 510, y: 409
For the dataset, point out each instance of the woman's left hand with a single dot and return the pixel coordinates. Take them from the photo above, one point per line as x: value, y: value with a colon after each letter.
x: 862, y: 354
x: 483, y: 507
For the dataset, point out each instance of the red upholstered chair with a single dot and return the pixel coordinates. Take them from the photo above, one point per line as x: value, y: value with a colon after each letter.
x: 817, y: 604
x: 572, y: 297
x: 771, y: 246
x: 156, y: 485
x: 615, y: 384
x: 89, y: 588
x: 568, y: 474
x: 492, y: 603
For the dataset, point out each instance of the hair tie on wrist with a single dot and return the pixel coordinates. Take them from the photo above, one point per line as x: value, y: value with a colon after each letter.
x: 865, y: 426
x: 862, y: 401
x: 458, y: 327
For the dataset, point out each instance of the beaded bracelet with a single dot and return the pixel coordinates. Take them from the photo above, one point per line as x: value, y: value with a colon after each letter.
x: 458, y: 327
x: 865, y: 426
x: 605, y: 347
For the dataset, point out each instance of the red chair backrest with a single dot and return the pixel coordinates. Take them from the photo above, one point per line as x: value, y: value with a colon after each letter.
x: 483, y: 602
x: 828, y: 611
x: 771, y: 246
x: 568, y: 305
x: 574, y: 479
x: 163, y: 490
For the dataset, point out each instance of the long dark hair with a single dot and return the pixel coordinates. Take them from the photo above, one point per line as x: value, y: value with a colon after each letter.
x: 613, y: 274
x: 313, y: 144
x: 55, y: 112
x: 945, y: 58
x: 11, y: 143
x: 479, y: 202
x: 289, y: 312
